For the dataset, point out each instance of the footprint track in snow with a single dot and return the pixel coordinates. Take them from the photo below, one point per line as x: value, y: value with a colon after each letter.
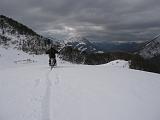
x: 46, y: 99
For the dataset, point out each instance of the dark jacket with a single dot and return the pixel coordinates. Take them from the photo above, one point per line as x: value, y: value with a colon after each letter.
x: 51, y: 52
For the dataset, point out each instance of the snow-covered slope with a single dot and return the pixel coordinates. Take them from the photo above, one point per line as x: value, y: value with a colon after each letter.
x: 151, y: 49
x: 31, y: 91
x: 16, y: 35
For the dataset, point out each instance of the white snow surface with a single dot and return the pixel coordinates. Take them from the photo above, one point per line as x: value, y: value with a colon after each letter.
x: 29, y: 90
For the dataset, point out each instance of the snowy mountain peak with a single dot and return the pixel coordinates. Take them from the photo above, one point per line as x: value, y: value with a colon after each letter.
x: 74, y: 37
x: 81, y: 43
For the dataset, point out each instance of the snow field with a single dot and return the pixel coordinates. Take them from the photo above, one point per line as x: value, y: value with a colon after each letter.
x: 31, y: 91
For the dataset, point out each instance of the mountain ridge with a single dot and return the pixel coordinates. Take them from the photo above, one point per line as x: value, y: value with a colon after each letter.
x: 16, y: 35
x: 151, y: 48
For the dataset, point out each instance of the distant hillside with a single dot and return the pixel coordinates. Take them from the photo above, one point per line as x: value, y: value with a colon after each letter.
x: 117, y: 47
x: 16, y: 35
x: 151, y: 48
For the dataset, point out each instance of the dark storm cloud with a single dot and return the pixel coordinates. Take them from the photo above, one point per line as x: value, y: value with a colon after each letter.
x: 123, y: 20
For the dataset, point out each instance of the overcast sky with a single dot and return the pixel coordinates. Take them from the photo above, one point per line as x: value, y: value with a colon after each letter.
x: 109, y: 20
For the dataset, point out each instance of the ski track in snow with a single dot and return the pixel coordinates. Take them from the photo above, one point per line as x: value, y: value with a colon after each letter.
x: 46, y: 98
x: 46, y: 101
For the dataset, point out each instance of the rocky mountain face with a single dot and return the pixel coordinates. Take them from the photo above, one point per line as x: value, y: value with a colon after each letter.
x: 18, y: 36
x: 151, y: 48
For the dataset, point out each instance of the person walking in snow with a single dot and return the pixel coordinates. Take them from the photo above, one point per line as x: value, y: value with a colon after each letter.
x: 51, y: 52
